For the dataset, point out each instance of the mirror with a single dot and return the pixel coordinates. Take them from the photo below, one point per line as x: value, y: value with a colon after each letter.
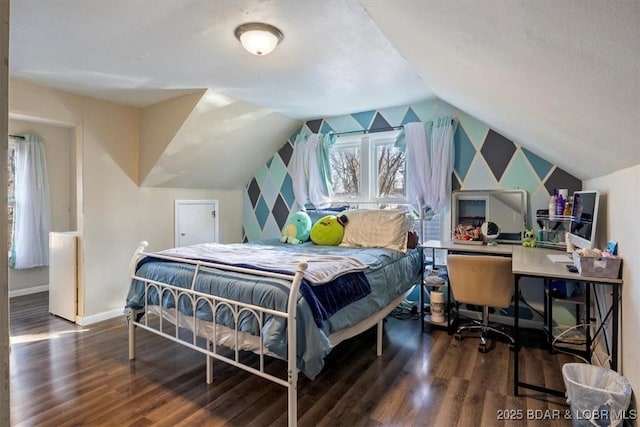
x: 506, y: 208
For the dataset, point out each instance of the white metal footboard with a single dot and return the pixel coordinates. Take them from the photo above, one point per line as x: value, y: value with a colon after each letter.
x: 237, y: 309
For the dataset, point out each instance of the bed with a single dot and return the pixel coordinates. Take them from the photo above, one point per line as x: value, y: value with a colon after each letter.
x: 277, y: 300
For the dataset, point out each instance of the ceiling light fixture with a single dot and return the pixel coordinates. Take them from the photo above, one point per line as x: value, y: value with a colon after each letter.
x: 258, y: 38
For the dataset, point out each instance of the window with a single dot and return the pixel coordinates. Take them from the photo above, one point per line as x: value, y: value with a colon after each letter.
x: 371, y: 168
x: 11, y: 201
x: 368, y: 168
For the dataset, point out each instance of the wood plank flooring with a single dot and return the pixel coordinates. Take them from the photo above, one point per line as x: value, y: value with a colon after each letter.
x: 63, y: 374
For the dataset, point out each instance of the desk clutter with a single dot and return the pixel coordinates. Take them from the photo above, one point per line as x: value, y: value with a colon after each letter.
x: 597, y: 263
x: 468, y: 234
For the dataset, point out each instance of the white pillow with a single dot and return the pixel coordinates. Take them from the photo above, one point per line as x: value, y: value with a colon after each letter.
x: 377, y: 228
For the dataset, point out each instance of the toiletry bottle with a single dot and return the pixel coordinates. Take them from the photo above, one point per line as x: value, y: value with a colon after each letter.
x: 552, y: 205
x: 567, y: 208
x: 559, y: 205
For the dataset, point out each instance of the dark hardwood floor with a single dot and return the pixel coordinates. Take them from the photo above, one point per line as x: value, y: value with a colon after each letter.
x: 63, y: 374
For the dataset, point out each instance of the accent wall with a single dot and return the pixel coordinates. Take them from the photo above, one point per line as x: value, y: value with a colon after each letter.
x: 484, y: 159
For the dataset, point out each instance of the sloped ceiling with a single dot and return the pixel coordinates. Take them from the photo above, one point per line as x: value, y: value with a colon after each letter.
x: 221, y: 144
x: 560, y: 77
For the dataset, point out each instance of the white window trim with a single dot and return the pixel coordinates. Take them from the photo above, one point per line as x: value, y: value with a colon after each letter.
x: 368, y: 143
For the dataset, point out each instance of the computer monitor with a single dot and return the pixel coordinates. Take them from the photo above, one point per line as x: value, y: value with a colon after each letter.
x: 584, y: 216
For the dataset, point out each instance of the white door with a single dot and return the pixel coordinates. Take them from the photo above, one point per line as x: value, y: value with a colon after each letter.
x: 196, y: 222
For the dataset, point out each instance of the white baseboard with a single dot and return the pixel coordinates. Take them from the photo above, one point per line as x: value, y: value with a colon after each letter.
x: 28, y: 291
x: 95, y: 318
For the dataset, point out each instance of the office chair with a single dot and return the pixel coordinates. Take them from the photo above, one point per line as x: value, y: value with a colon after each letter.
x: 481, y: 280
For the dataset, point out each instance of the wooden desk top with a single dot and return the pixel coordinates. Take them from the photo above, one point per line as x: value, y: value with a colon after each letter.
x: 525, y: 261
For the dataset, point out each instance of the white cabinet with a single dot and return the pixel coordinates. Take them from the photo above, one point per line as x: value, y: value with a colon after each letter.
x: 63, y: 274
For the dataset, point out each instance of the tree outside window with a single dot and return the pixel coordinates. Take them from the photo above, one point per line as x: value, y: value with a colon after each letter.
x: 368, y: 168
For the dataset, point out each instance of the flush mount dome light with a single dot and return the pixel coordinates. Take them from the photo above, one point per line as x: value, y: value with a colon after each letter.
x: 258, y: 38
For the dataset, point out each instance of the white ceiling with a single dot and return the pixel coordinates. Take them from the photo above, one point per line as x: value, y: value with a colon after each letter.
x: 560, y: 77
x: 333, y: 59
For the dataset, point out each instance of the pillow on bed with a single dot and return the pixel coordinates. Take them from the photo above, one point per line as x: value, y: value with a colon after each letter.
x: 377, y: 228
x: 316, y: 214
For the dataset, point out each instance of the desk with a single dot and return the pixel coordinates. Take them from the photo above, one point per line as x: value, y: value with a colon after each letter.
x: 533, y: 262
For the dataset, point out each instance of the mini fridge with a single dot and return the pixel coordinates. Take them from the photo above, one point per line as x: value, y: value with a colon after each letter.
x: 63, y: 274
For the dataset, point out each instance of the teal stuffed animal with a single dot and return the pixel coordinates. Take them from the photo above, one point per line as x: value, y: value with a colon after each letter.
x: 329, y: 230
x: 529, y: 239
x: 296, y: 229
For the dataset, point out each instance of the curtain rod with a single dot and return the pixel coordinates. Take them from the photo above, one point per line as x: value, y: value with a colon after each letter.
x: 16, y: 136
x: 384, y: 129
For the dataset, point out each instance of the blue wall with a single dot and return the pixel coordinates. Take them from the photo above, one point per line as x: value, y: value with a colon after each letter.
x: 484, y: 159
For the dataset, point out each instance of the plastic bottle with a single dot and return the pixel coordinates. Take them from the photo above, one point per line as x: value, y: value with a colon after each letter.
x: 559, y: 205
x: 567, y: 208
x: 552, y: 205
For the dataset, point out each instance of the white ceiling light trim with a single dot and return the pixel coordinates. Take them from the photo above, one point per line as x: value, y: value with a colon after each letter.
x: 259, y: 38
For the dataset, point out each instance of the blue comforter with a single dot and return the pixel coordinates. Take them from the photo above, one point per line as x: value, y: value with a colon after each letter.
x: 322, y: 309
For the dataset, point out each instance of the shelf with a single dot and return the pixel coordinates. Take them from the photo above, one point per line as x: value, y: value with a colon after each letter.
x: 574, y: 341
x: 440, y: 285
x: 557, y: 218
x: 577, y: 299
x: 427, y: 319
x: 551, y: 245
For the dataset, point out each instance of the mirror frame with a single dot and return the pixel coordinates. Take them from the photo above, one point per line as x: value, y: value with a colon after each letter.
x: 486, y: 195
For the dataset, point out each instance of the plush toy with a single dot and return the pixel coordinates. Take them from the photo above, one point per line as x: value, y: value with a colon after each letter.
x: 329, y: 230
x: 529, y: 239
x: 296, y: 229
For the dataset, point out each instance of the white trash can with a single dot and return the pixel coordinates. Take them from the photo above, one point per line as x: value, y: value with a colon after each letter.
x: 597, y: 396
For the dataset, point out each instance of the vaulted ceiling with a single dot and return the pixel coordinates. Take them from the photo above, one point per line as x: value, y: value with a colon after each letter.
x: 560, y: 78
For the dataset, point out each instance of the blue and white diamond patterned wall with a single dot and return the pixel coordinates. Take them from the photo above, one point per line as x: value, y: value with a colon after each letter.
x: 484, y: 159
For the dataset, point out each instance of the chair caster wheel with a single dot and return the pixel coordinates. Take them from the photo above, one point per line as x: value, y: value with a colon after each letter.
x: 483, y: 348
x: 458, y: 336
x: 512, y: 347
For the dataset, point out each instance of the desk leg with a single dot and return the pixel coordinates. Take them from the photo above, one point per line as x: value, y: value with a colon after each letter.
x: 516, y: 338
x: 548, y: 313
x: 421, y: 311
x: 587, y: 308
x: 614, y: 327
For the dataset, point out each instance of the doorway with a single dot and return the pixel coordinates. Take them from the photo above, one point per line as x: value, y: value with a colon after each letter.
x: 60, y: 153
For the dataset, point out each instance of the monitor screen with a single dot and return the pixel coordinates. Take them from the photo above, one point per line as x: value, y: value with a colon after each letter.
x: 583, y: 218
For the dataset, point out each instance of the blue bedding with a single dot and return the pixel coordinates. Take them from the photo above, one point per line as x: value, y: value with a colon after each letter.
x: 322, y: 309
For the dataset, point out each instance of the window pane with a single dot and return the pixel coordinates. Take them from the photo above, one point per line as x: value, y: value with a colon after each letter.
x: 391, y: 171
x: 345, y: 171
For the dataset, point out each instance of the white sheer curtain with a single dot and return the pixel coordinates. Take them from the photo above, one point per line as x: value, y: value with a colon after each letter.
x: 310, y: 170
x: 429, y: 163
x: 32, y: 214
x: 298, y: 169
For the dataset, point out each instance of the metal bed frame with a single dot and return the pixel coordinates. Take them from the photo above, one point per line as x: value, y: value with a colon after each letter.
x: 237, y: 308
